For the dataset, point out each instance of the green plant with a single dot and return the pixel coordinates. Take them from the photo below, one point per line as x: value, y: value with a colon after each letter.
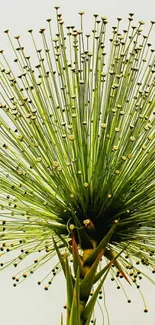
x: 77, y: 158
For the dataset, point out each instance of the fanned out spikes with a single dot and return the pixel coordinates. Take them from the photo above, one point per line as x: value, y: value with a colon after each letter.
x: 77, y: 147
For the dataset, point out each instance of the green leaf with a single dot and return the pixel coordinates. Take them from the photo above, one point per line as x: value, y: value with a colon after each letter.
x: 100, y: 273
x: 87, y: 312
x: 112, y: 261
x: 102, y: 245
x: 74, y: 317
x: 87, y: 282
x: 70, y: 285
x: 60, y: 257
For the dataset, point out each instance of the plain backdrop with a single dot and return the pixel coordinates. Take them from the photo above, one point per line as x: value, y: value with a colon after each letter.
x: 30, y: 304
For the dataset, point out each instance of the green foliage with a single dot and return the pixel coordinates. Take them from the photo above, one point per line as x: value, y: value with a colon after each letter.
x: 88, y: 310
x: 77, y: 152
x: 79, y: 306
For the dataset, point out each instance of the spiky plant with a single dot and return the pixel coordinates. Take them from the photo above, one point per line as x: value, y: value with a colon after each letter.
x: 77, y: 158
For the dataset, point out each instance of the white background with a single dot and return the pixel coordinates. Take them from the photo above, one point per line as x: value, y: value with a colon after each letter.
x: 29, y: 304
